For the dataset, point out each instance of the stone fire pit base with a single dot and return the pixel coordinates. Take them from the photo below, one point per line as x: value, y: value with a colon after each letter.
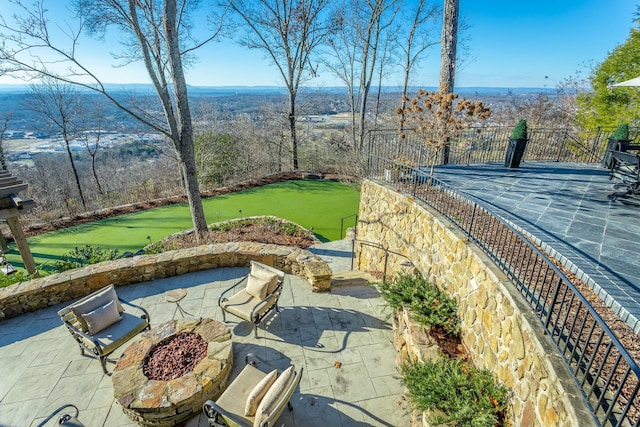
x: 168, y: 403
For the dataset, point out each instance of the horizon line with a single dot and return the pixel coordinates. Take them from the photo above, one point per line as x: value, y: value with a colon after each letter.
x: 23, y: 84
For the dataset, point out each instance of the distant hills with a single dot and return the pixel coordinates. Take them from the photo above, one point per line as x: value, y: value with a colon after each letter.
x: 262, y: 90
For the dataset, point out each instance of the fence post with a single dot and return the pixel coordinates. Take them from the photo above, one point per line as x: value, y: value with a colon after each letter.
x: 446, y: 149
x: 595, y: 146
x: 473, y: 216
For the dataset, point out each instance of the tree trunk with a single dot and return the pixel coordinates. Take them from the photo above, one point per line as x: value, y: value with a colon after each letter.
x: 184, y: 139
x: 95, y: 173
x: 448, y: 58
x: 449, y: 45
x: 73, y: 167
x: 4, y: 124
x: 292, y: 128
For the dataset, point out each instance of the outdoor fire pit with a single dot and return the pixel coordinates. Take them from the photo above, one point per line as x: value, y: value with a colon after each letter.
x: 164, y: 378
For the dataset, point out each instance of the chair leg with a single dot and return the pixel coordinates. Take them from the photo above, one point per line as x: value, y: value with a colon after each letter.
x: 255, y: 330
x: 103, y: 361
x: 290, y: 406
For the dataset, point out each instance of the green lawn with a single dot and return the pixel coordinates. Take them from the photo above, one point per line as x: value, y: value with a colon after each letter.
x: 310, y: 203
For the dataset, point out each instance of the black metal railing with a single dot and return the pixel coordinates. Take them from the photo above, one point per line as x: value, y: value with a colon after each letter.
x: 602, y: 367
x: 489, y: 144
x: 342, y: 223
x: 49, y: 206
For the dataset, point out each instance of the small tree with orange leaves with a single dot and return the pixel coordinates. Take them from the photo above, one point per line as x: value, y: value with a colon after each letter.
x: 437, y: 116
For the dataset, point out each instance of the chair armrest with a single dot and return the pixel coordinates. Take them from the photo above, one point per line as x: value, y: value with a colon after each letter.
x: 145, y: 314
x: 252, y: 359
x: 212, y: 411
x: 277, y: 291
x: 65, y: 417
x: 86, y: 336
x: 223, y: 295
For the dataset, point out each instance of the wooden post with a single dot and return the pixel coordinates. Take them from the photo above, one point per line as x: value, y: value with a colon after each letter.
x: 3, y: 243
x: 21, y: 243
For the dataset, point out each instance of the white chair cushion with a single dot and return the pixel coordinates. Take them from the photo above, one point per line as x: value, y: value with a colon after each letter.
x: 257, y: 286
x: 102, y: 317
x: 258, y: 392
x: 262, y: 271
x: 234, y: 398
x: 247, y: 306
x: 274, y: 396
x: 93, y: 301
x: 118, y: 333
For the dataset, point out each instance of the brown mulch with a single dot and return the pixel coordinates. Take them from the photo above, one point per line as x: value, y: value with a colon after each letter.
x: 244, y: 233
x: 174, y: 357
x: 450, y: 345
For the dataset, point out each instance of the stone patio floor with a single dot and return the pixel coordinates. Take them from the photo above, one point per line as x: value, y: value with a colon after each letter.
x: 41, y: 367
x: 566, y: 206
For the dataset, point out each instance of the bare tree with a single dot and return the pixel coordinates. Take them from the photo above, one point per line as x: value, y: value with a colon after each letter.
x: 449, y: 44
x: 91, y: 140
x: 156, y: 32
x: 59, y: 104
x: 361, y: 29
x: 4, y: 125
x: 288, y: 31
x: 384, y: 69
x: 413, y: 41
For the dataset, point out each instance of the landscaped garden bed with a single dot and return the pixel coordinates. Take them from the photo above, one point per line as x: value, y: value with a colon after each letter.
x: 262, y: 229
x: 441, y: 383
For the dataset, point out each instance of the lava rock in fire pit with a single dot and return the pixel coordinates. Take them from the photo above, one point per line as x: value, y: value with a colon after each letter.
x: 174, y: 357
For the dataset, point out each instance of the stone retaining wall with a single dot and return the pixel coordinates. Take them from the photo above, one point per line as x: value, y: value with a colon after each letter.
x: 498, y: 327
x: 57, y: 288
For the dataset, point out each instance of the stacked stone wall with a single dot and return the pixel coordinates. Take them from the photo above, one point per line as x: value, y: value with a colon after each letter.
x: 57, y: 288
x: 498, y: 328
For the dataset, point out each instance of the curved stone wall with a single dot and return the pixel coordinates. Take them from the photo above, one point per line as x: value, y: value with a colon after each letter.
x: 57, y: 288
x: 498, y: 327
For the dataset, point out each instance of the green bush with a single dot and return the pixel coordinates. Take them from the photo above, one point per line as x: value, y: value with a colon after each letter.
x: 155, y: 248
x: 451, y: 390
x: 520, y: 131
x: 279, y: 225
x: 17, y: 277
x: 225, y: 226
x: 621, y: 133
x: 81, y: 257
x: 428, y: 304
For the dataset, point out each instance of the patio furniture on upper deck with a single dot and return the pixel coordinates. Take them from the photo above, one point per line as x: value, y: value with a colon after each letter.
x: 625, y: 167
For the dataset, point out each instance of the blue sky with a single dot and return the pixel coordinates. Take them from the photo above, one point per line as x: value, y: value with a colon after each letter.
x: 511, y: 44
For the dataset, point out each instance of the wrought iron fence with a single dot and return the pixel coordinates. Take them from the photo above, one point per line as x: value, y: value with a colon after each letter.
x: 605, y: 371
x: 489, y: 144
x: 56, y: 207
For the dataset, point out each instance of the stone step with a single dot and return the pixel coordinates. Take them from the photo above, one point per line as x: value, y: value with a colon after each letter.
x: 352, y: 278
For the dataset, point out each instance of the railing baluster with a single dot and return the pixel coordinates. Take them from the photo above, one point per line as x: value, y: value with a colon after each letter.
x: 628, y: 406
x: 587, y: 368
x: 616, y: 395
